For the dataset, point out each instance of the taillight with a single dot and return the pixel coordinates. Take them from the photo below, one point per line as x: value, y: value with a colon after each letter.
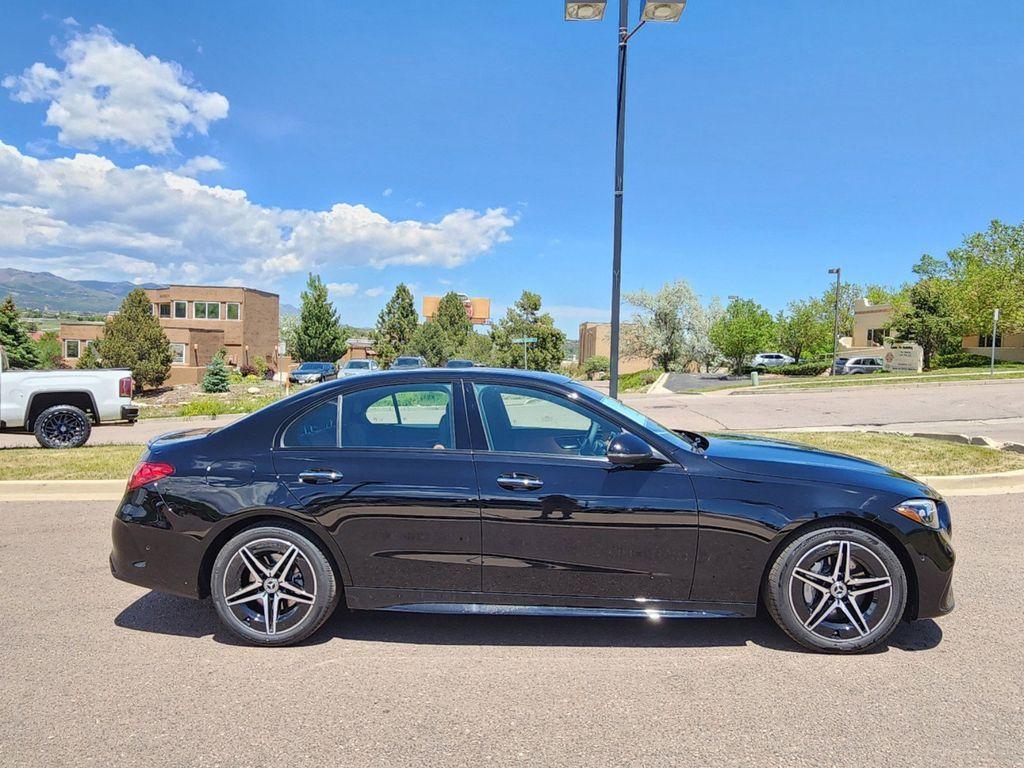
x: 124, y: 387
x: 148, y: 472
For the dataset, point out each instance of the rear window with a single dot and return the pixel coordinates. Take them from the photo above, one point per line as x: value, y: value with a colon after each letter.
x: 357, y: 364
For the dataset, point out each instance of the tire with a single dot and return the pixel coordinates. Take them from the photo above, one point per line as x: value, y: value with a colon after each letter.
x: 849, y: 613
x: 62, y: 426
x: 299, y: 599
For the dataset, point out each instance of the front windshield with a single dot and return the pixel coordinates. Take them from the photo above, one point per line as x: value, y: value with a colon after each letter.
x: 358, y: 364
x: 635, y: 416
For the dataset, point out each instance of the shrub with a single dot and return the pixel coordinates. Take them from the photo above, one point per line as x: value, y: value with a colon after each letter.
x: 802, y: 369
x: 259, y: 366
x: 629, y: 382
x: 596, y: 364
x: 965, y: 360
x: 248, y: 369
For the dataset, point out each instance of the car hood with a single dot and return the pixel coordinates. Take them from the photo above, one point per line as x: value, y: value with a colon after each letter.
x: 779, y: 458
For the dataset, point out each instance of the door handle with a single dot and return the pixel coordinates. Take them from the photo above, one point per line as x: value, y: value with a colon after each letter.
x: 320, y: 476
x: 517, y: 482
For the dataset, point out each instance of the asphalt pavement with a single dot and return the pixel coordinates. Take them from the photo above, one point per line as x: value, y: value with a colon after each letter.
x: 97, y: 672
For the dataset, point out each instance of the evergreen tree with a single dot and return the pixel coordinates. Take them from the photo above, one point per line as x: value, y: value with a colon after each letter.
x: 453, y: 322
x: 525, y: 320
x: 318, y: 337
x: 396, y: 324
x: 88, y: 359
x: 49, y: 351
x: 134, y: 339
x: 430, y: 343
x: 21, y: 351
x: 216, y: 377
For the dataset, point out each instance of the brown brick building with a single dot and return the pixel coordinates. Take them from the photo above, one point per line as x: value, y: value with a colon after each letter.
x: 596, y: 340
x: 199, y: 321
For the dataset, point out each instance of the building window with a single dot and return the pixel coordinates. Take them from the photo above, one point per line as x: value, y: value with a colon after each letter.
x: 233, y: 310
x: 876, y: 336
x: 180, y: 310
x: 206, y: 310
x: 986, y: 340
x: 177, y: 353
x: 71, y: 349
x: 163, y: 310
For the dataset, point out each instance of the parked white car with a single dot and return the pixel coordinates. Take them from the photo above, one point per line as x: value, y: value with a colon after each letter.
x: 61, y: 407
x: 770, y: 360
x: 355, y: 367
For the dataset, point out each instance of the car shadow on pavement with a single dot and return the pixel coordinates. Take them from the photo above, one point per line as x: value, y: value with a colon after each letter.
x: 169, y: 615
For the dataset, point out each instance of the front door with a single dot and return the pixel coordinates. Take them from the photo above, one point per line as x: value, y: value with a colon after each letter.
x: 386, y: 469
x: 559, y: 518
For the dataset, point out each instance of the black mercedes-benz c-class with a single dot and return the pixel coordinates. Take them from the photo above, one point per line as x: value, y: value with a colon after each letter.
x: 491, y: 491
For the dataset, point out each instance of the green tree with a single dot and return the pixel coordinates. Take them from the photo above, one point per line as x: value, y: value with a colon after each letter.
x: 88, y: 360
x: 216, y: 377
x: 48, y: 350
x: 396, y: 324
x: 478, y: 347
x: 596, y: 364
x: 430, y: 342
x: 318, y: 337
x: 288, y: 326
x: 805, y: 327
x: 745, y: 329
x: 659, y: 330
x: 21, y: 351
x: 525, y: 320
x: 927, y: 319
x: 453, y: 321
x: 984, y: 273
x: 134, y: 339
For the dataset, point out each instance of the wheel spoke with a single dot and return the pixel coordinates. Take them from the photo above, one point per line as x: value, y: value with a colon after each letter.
x: 823, y: 609
x: 284, y: 565
x: 256, y: 568
x: 866, y: 585
x: 842, y: 567
x: 859, y: 622
x: 819, y: 581
x: 253, y: 591
x: 291, y: 592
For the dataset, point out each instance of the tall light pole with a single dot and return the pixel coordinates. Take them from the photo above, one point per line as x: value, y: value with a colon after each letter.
x: 594, y: 11
x: 837, y: 271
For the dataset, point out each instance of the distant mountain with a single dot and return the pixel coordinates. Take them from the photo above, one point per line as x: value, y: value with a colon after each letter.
x: 288, y: 309
x: 47, y: 291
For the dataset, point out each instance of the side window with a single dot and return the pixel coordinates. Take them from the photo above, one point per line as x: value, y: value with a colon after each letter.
x: 399, y: 416
x: 524, y: 420
x: 316, y: 428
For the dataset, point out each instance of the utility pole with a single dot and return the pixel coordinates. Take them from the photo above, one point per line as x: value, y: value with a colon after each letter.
x: 835, y: 327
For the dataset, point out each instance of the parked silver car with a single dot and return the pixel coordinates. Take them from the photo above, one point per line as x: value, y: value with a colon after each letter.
x: 846, y: 365
x: 770, y: 360
x: 355, y: 367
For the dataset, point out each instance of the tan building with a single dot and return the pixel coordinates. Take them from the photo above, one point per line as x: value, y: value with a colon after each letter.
x: 596, y: 339
x: 477, y: 310
x: 200, y: 321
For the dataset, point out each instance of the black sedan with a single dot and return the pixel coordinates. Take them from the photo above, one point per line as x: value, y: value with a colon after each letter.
x: 310, y: 373
x: 488, y: 491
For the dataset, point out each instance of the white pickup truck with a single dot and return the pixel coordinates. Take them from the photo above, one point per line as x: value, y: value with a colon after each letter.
x: 60, y: 407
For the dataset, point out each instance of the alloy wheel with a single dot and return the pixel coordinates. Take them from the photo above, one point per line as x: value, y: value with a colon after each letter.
x: 63, y: 428
x: 841, y: 590
x: 269, y: 586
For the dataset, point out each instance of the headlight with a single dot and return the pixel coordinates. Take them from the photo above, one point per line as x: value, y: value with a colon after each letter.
x: 923, y: 511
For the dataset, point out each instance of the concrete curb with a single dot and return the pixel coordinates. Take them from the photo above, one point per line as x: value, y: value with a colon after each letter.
x: 658, y: 387
x: 978, y: 485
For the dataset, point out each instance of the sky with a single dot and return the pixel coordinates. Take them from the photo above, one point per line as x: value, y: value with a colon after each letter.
x: 469, y: 145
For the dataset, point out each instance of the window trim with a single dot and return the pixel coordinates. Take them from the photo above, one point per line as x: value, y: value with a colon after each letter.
x: 227, y: 306
x: 206, y: 310
x: 184, y: 311
x: 78, y: 349
x: 184, y: 352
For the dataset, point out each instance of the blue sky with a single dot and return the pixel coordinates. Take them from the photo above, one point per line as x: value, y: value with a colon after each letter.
x: 469, y: 145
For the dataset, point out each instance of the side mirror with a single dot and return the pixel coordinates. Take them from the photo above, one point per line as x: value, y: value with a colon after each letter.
x: 629, y: 450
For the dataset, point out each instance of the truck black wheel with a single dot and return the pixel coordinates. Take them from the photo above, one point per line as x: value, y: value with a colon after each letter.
x: 62, y: 426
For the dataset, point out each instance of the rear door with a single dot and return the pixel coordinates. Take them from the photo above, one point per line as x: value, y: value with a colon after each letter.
x: 558, y: 517
x: 388, y: 471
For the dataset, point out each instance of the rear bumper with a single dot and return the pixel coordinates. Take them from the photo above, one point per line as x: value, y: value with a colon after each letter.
x: 130, y: 413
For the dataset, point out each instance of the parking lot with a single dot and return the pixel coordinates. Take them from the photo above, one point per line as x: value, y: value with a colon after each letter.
x: 97, y: 672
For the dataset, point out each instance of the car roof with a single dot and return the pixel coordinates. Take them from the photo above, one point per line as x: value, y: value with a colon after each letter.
x: 510, y: 374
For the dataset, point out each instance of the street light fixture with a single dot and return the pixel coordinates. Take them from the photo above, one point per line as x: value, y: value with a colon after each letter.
x: 837, y: 271
x: 594, y: 11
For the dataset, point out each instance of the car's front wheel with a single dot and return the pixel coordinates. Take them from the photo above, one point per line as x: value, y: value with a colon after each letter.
x: 838, y: 589
x: 271, y: 585
x: 62, y: 426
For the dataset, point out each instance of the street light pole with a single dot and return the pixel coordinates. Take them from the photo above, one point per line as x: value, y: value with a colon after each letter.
x: 620, y: 156
x: 835, y: 327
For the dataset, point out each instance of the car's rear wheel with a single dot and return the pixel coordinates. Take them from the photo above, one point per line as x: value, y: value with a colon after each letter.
x: 62, y: 426
x: 838, y: 589
x: 272, y: 585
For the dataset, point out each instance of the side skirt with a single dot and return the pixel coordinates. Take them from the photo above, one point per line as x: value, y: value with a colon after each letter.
x: 510, y: 604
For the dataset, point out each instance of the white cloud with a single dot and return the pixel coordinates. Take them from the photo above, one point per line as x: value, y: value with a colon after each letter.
x: 108, y: 91
x: 387, y: 192
x: 343, y: 290
x: 374, y: 292
x: 199, y: 164
x: 85, y: 216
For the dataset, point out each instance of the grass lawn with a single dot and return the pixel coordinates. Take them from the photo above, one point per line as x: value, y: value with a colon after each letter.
x: 912, y: 455
x: 877, y: 379
x: 100, y: 462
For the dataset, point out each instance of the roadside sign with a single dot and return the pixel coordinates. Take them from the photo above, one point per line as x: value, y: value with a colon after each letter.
x: 525, y: 340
